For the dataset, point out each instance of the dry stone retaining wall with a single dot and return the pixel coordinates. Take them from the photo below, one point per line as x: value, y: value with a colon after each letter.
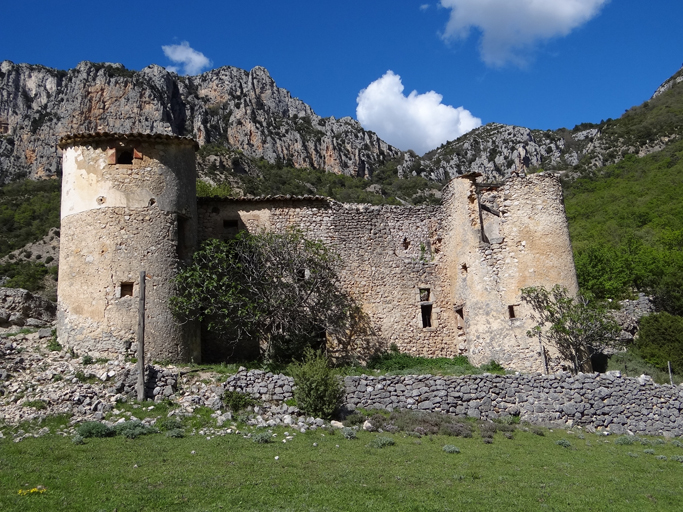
x: 595, y: 401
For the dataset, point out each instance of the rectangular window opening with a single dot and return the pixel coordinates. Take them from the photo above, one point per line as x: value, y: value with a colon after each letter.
x: 424, y: 294
x: 230, y: 223
x: 126, y: 289
x: 511, y: 312
x: 426, y: 315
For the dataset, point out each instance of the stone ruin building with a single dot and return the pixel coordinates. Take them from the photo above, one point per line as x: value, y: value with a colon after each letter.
x: 437, y: 281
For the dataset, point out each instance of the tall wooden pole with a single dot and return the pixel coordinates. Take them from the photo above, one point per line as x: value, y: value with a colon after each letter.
x: 141, y: 339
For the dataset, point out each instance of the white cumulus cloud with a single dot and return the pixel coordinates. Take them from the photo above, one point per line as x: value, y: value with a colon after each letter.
x: 511, y: 28
x: 418, y: 121
x: 191, y: 62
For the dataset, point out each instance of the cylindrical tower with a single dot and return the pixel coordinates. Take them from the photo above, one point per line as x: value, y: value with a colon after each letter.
x: 128, y: 204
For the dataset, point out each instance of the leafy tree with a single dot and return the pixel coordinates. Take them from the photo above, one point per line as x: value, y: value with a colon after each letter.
x: 278, y: 290
x: 576, y: 326
x: 660, y: 340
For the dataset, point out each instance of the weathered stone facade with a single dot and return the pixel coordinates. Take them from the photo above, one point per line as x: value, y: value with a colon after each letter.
x: 128, y: 204
x: 437, y: 281
x: 430, y: 278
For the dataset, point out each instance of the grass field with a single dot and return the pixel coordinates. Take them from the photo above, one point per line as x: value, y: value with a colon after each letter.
x: 528, y: 472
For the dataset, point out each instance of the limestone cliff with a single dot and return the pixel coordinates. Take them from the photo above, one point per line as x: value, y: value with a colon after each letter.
x: 244, y: 110
x: 497, y: 150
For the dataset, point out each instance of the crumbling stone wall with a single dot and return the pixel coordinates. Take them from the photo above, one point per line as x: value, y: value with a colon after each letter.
x: 595, y: 401
x: 500, y: 239
x: 118, y: 219
x: 438, y: 281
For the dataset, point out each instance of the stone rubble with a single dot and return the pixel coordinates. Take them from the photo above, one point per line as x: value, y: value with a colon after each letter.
x: 30, y: 372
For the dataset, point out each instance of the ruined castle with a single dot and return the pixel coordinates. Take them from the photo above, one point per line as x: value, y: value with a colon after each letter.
x: 434, y: 280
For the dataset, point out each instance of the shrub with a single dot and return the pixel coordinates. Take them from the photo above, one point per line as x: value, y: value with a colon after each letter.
x: 355, y: 418
x: 677, y: 458
x: 236, y: 401
x: 348, y: 433
x: 133, y: 429
x: 660, y: 339
x: 94, y: 429
x: 319, y: 392
x: 538, y: 432
x: 36, y: 404
x: 677, y: 443
x: 77, y: 439
x: 649, y: 451
x: 660, y: 457
x: 564, y: 443
x: 169, y: 424
x: 53, y: 345
x: 176, y: 433
x: 382, y: 442
x: 87, y: 360
x: 624, y: 440
x: 449, y: 448
x: 262, y: 438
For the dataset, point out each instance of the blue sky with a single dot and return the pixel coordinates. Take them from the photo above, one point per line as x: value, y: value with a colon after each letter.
x: 535, y: 63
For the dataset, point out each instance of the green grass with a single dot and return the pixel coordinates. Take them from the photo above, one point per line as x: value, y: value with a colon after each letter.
x: 232, y: 473
x: 631, y: 364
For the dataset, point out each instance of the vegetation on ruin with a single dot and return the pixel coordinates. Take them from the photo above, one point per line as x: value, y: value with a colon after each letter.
x: 277, y: 291
x: 533, y: 468
x: 578, y: 327
x: 395, y: 362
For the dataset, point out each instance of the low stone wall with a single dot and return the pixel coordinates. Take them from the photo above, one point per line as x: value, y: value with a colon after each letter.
x: 594, y: 401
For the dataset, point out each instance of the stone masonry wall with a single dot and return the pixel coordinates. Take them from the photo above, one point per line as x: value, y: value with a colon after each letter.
x: 128, y: 205
x: 388, y: 254
x: 595, y: 401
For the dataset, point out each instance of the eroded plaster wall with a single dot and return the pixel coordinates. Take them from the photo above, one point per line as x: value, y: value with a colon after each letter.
x: 117, y: 220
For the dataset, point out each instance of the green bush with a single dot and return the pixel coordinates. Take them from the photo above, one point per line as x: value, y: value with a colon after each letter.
x: 177, y: 433
x: 262, y: 438
x: 169, y: 424
x: 133, y: 429
x: 319, y: 391
x: 449, y: 448
x: 236, y: 401
x: 660, y: 339
x: 564, y: 443
x: 382, y: 442
x: 36, y: 404
x: 348, y: 433
x: 86, y: 360
x: 94, y: 429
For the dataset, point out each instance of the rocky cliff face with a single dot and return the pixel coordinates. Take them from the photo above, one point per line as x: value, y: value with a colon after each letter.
x: 496, y: 151
x: 244, y: 110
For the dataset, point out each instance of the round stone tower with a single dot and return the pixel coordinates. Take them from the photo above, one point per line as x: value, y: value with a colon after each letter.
x: 128, y: 204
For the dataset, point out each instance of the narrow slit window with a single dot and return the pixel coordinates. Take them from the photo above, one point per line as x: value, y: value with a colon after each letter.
x: 512, y: 312
x: 426, y: 315
x: 126, y: 289
x: 460, y: 320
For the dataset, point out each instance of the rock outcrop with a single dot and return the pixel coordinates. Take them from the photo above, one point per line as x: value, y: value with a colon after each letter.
x: 21, y: 307
x: 243, y: 110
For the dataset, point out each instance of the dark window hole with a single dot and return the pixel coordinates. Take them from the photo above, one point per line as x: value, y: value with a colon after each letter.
x: 126, y: 289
